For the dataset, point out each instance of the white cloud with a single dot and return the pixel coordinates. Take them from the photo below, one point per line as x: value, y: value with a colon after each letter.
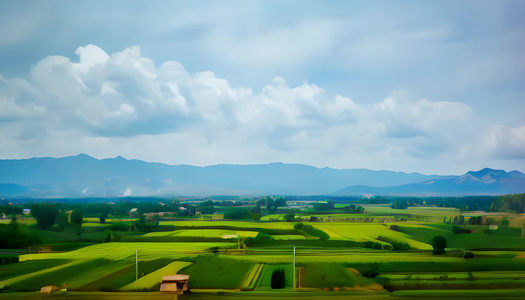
x: 122, y: 104
x: 506, y: 143
x: 402, y: 117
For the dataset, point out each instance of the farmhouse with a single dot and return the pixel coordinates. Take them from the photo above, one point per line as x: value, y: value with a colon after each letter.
x: 175, y: 283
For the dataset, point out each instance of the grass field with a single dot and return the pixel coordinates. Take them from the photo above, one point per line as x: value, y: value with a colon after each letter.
x: 370, y: 232
x: 26, y: 221
x: 213, y: 272
x: 154, y: 279
x: 186, y: 247
x: 238, y: 224
x: 288, y: 237
x: 118, y: 251
x: 475, y: 240
x: 266, y: 275
x: 76, y: 275
x: 19, y: 269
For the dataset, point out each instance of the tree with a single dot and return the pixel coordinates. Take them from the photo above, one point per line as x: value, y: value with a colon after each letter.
x: 45, y: 214
x: 76, y: 220
x: 102, y: 217
x: 61, y: 221
x: 206, y: 207
x: 269, y: 203
x: 15, y: 236
x: 289, y: 217
x: 76, y: 217
x: 237, y: 213
x: 279, y: 202
x: 439, y: 243
x: 278, y: 280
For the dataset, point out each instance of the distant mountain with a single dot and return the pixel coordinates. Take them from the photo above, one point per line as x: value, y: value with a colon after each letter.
x: 12, y: 190
x: 483, y: 182
x: 85, y: 176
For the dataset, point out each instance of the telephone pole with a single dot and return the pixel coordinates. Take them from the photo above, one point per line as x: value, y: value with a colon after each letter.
x: 293, y: 269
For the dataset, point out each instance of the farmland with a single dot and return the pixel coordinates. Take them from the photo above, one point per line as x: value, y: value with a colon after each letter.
x: 379, y: 258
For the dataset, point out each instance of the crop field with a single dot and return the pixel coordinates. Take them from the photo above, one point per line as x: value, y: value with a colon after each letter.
x: 154, y: 278
x: 288, y: 237
x: 119, y: 251
x: 265, y: 279
x: 226, y: 273
x: 20, y: 269
x: 370, y: 232
x: 203, y: 233
x: 25, y: 221
x: 476, y: 240
x: 195, y: 224
x: 209, y: 251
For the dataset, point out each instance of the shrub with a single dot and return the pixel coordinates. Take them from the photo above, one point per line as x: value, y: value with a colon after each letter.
x: 263, y: 237
x: 372, y: 245
x: 439, y: 243
x: 289, y: 217
x: 249, y: 241
x: 396, y: 245
x: 370, y: 273
x: 278, y: 280
x: 315, y: 232
x: 387, y: 247
x: 458, y: 230
x: 237, y: 213
x: 395, y: 228
x: 120, y: 226
x: 468, y: 255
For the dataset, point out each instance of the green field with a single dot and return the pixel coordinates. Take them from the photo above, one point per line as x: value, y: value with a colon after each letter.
x: 207, y: 250
x: 476, y: 240
x: 154, y: 278
x: 226, y: 273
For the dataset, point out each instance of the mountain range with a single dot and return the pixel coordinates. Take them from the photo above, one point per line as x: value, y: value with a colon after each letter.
x: 84, y: 176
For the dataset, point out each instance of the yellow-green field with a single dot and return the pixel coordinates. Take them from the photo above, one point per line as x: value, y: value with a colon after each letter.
x: 370, y: 231
x: 154, y: 278
x: 215, y: 263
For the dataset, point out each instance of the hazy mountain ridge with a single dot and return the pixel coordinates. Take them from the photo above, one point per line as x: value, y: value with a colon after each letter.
x: 483, y: 182
x: 85, y: 176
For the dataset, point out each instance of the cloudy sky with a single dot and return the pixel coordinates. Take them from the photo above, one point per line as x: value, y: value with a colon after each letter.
x: 429, y: 86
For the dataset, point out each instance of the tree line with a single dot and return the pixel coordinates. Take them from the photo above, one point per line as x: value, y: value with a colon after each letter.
x: 514, y: 202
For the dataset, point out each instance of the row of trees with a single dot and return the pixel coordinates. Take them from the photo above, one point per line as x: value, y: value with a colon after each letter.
x: 476, y: 220
x: 17, y: 236
x: 514, y: 202
x: 47, y: 215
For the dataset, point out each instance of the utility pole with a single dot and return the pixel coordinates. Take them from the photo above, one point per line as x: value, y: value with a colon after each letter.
x: 293, y: 269
x: 136, y: 264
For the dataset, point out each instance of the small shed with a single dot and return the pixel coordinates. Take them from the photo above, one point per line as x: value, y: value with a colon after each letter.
x: 175, y: 283
x: 49, y: 289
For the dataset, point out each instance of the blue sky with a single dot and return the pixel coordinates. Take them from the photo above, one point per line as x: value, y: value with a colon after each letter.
x: 426, y: 86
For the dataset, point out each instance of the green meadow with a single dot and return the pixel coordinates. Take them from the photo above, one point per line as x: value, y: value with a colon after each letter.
x: 239, y: 258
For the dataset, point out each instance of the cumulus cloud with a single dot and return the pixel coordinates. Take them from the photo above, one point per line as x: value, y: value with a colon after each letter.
x: 123, y: 104
x: 402, y: 117
x: 505, y: 142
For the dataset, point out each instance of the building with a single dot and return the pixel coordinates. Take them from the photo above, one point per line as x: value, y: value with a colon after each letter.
x: 175, y: 283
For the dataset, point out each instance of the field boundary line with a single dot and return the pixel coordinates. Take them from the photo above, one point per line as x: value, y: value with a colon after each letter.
x: 9, y: 281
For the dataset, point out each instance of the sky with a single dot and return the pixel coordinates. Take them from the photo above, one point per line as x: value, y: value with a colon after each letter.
x: 435, y: 87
